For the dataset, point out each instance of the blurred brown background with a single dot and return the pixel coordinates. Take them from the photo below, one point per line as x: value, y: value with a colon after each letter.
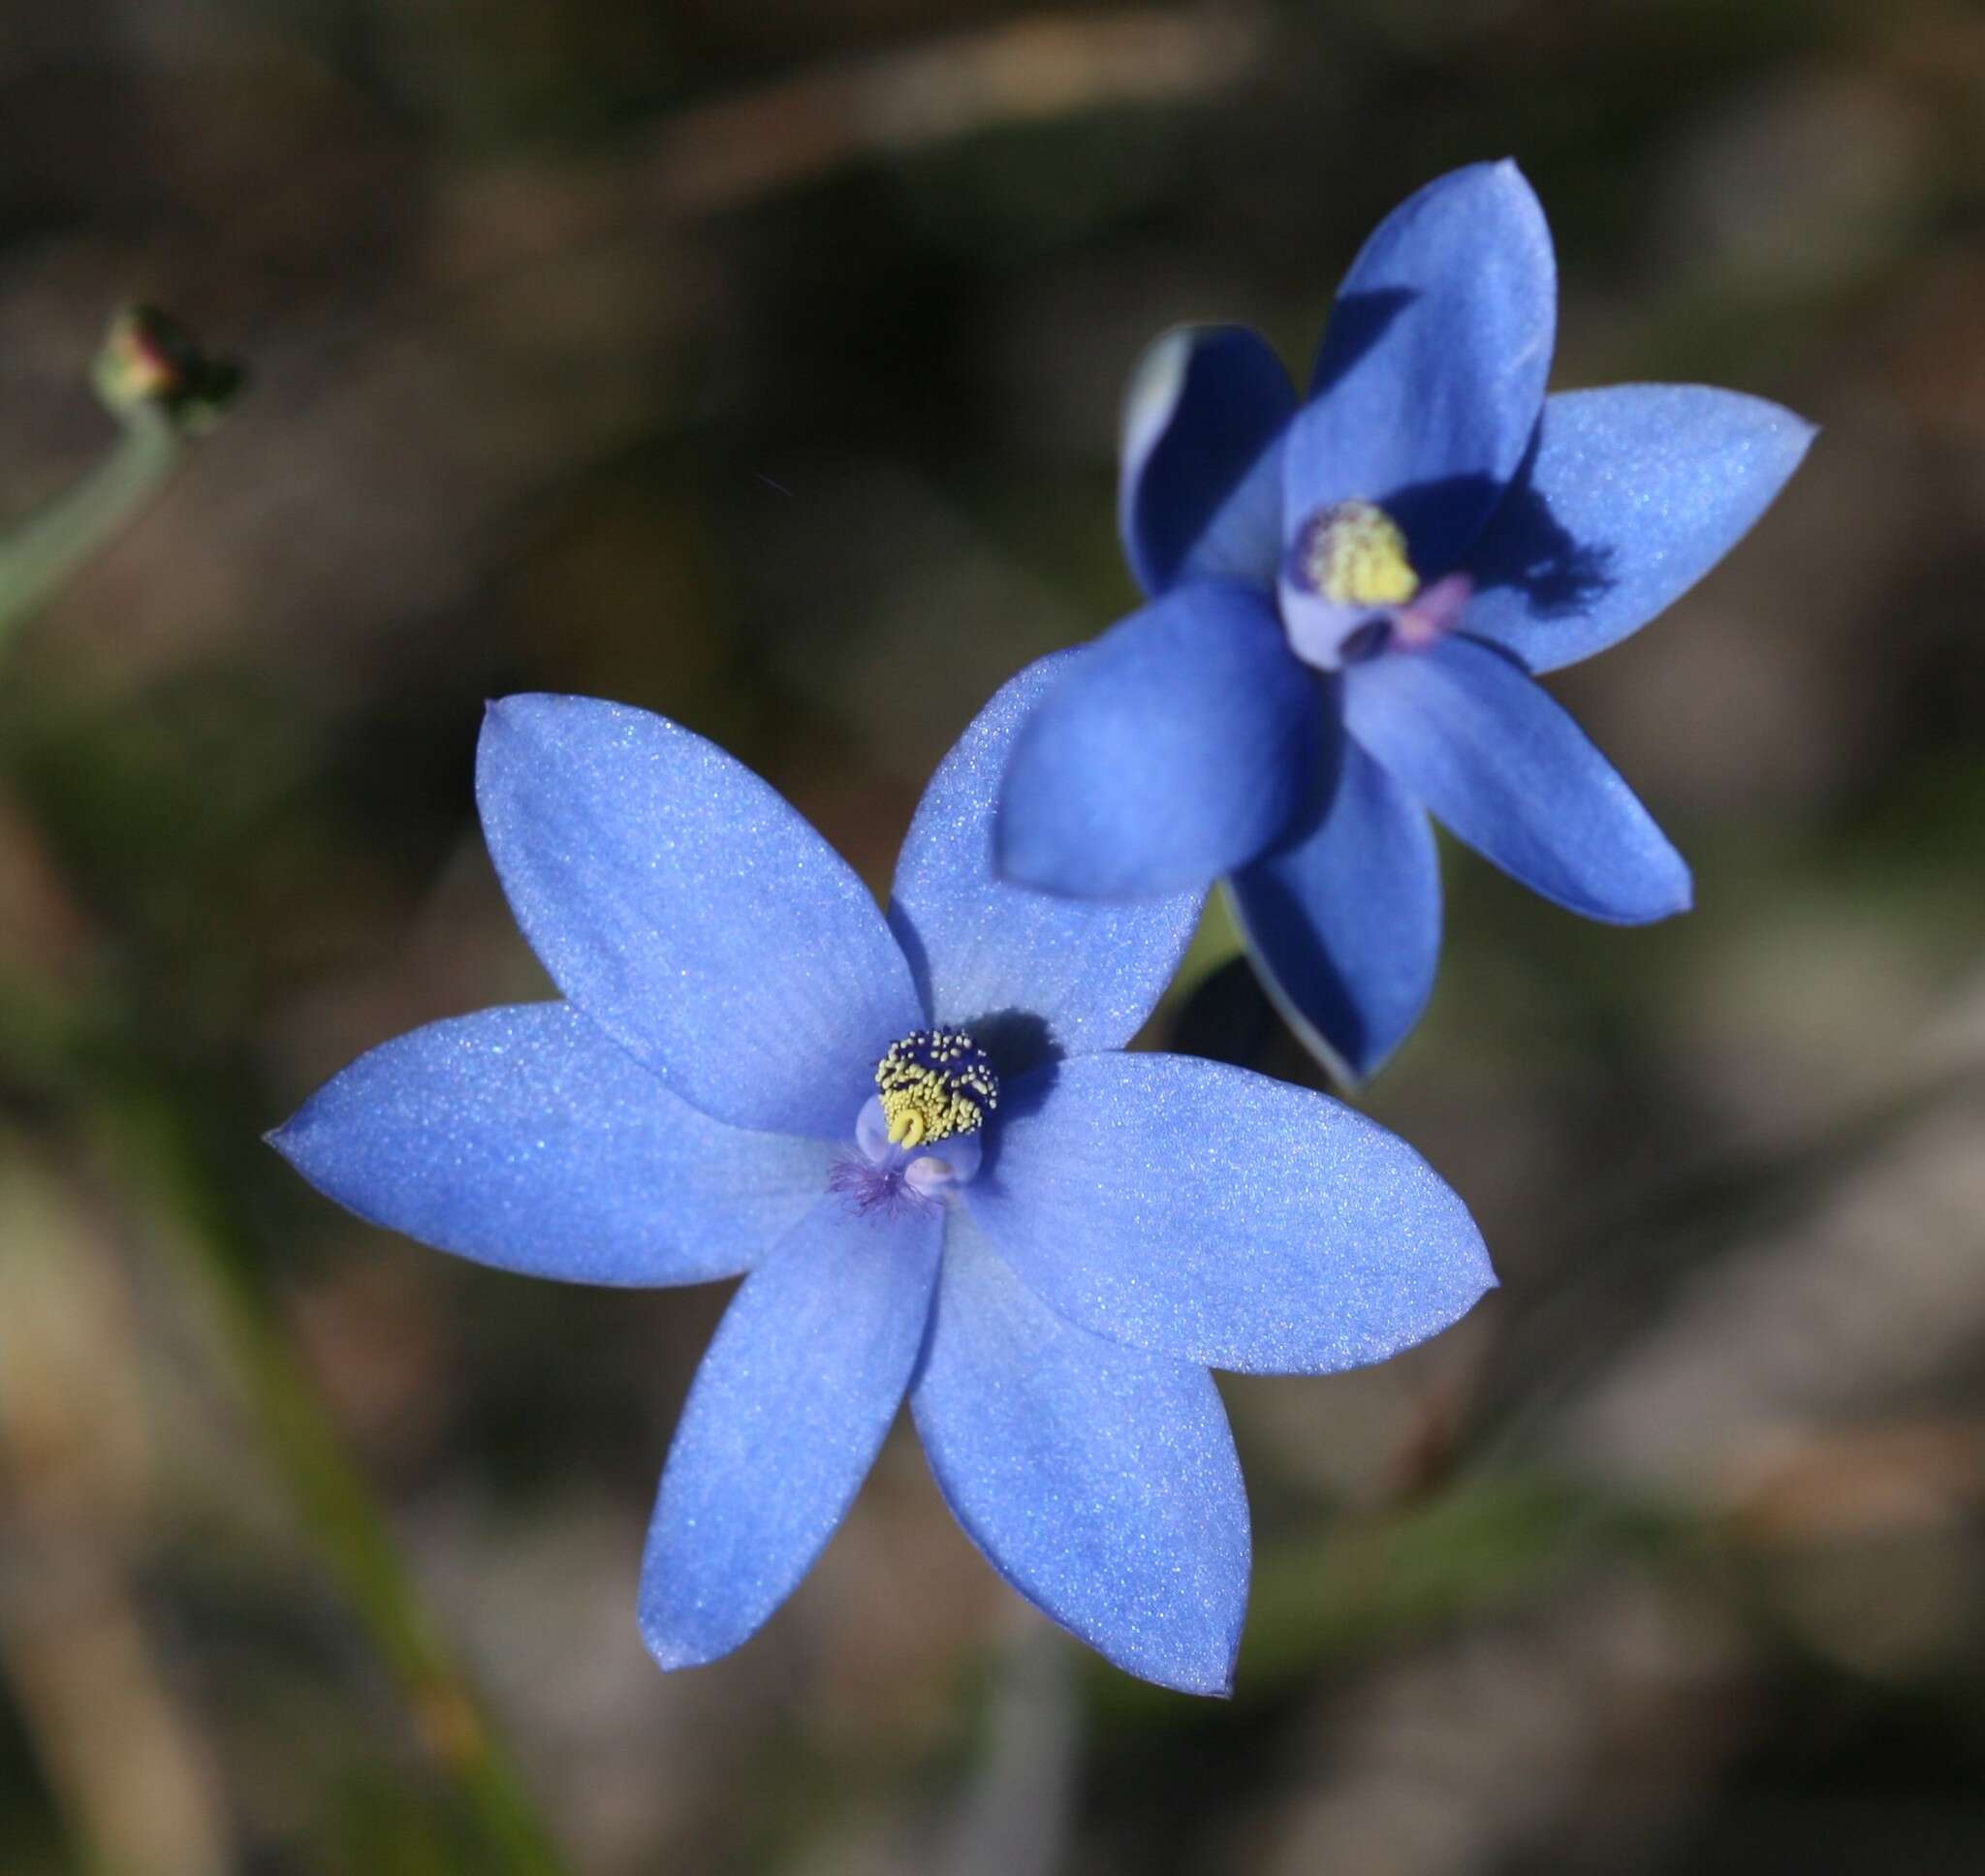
x: 759, y: 364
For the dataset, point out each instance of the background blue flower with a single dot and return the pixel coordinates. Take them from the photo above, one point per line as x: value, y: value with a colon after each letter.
x: 1349, y: 599
x: 703, y: 1104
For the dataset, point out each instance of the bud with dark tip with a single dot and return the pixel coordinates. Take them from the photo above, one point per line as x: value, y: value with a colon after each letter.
x: 149, y: 361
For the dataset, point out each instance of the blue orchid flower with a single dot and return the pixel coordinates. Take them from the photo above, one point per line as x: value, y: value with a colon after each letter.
x: 919, y: 1139
x: 1350, y: 600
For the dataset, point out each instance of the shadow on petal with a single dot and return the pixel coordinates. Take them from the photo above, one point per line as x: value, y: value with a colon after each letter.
x: 1525, y: 546
x: 1441, y: 519
x: 1357, y: 323
x: 1018, y: 1042
x: 1021, y: 1092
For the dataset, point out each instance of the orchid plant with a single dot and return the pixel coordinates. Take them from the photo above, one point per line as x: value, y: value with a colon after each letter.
x: 918, y: 1133
x: 921, y: 1139
x: 1352, y: 598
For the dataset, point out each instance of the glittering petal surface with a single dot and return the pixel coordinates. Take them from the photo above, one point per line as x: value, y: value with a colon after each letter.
x: 1635, y: 492
x: 1101, y: 1480
x: 1433, y: 368
x: 1461, y: 726
x: 783, y: 1422
x: 1087, y: 971
x: 1202, y: 491
x: 1214, y: 1215
x: 523, y: 1137
x: 1179, y: 745
x: 1343, y: 923
x: 681, y: 904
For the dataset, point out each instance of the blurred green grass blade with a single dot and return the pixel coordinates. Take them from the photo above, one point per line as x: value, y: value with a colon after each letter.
x: 155, y: 1144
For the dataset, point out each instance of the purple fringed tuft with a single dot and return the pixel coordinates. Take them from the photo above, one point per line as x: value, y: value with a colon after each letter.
x: 876, y: 1191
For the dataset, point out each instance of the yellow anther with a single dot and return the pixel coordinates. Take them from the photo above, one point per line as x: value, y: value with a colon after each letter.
x: 1354, y: 554
x: 933, y: 1084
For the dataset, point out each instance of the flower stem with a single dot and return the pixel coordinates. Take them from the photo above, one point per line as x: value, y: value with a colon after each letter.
x: 161, y: 389
x: 40, y: 554
x: 158, y: 1149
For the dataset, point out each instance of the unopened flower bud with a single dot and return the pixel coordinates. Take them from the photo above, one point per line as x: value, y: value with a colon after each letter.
x: 149, y: 359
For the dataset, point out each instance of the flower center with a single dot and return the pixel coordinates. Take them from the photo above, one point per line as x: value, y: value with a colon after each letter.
x: 917, y: 1138
x: 1349, y: 589
x: 1353, y: 553
x: 934, y: 1083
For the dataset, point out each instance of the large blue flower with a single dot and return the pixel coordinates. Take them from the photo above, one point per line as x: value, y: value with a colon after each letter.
x: 1348, y: 601
x: 920, y: 1138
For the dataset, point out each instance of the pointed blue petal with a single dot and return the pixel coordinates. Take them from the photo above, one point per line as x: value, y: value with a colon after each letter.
x: 1635, y: 492
x: 681, y: 904
x: 1433, y: 368
x: 1085, y: 973
x: 524, y: 1138
x: 1177, y: 746
x: 1217, y: 1216
x: 1461, y: 726
x: 1201, y: 493
x: 783, y: 1420
x: 1343, y: 923
x: 1101, y: 1480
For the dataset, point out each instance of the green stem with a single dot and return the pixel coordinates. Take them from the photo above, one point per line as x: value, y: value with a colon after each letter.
x: 160, y: 1150
x: 38, y: 555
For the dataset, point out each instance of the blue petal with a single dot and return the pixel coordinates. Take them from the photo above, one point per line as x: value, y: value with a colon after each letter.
x: 783, y: 1422
x: 1101, y: 1480
x: 1343, y: 923
x: 1433, y: 368
x: 1200, y: 495
x: 525, y: 1139
x: 1461, y: 726
x: 681, y: 904
x: 1177, y: 746
x: 1635, y: 492
x: 1071, y: 975
x: 1217, y: 1216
